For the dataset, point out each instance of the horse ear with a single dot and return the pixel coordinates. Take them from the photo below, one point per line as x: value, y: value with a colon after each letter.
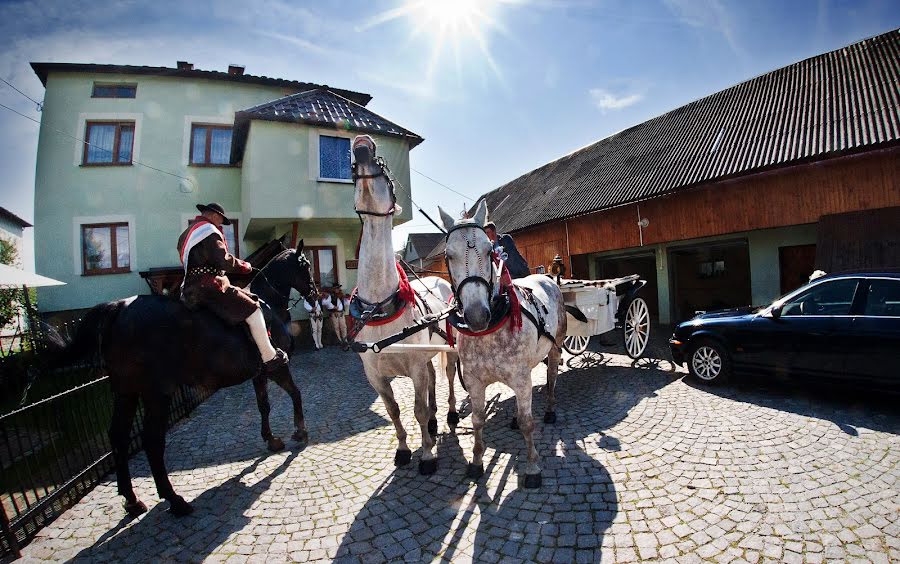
x: 481, y: 214
x: 300, y: 246
x: 446, y: 219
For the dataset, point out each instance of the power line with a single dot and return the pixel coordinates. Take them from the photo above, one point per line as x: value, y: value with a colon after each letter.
x: 61, y: 132
x: 36, y: 103
x: 444, y: 185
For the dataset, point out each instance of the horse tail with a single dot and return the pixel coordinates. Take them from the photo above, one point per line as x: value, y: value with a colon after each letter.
x: 92, y: 331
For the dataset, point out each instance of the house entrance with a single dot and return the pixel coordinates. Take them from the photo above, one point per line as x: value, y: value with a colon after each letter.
x: 644, y: 265
x: 709, y: 277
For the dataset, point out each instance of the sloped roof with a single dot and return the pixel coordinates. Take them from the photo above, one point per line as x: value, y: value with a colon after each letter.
x: 423, y: 243
x: 841, y: 102
x: 10, y: 216
x: 44, y: 69
x: 321, y: 107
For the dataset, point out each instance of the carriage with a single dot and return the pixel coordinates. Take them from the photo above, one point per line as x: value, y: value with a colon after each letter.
x: 598, y: 307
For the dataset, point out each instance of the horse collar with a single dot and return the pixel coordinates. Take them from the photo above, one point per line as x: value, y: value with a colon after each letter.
x: 380, y: 313
x: 500, y: 310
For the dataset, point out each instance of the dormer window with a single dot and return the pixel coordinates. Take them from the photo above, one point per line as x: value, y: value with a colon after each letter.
x: 114, y: 91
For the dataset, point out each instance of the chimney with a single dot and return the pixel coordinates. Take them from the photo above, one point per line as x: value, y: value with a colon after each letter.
x: 236, y: 70
x: 184, y: 65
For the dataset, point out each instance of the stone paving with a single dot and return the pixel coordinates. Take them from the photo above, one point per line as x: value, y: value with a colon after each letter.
x: 641, y: 465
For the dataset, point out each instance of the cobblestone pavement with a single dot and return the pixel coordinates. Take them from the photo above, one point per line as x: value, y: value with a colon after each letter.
x: 641, y: 465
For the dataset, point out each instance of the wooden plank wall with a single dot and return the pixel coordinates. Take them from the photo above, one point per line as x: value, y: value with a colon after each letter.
x: 793, y: 196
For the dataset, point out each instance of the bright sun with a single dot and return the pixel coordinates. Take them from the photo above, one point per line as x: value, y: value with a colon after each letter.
x: 460, y: 25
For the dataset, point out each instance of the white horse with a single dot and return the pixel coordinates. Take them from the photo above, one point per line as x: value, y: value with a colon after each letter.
x: 379, y: 290
x: 495, y: 345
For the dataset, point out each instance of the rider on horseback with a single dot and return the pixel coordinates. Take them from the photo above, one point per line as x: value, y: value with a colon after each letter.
x: 204, y: 254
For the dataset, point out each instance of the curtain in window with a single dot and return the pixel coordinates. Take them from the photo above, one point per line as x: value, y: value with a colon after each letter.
x: 326, y: 268
x: 199, y: 153
x: 229, y: 238
x: 123, y: 250
x: 220, y: 146
x: 96, y: 248
x: 101, y: 139
x: 334, y: 157
x: 126, y: 140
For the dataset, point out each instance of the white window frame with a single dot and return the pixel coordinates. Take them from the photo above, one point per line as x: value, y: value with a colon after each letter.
x: 297, y: 312
x: 81, y: 131
x: 78, y: 221
x: 315, y: 172
x: 189, y: 122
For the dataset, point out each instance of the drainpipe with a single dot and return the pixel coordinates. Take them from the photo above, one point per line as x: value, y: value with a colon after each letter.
x: 640, y: 226
x: 568, y: 252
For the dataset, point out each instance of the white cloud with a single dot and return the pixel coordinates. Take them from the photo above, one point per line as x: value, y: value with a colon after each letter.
x: 709, y: 14
x: 607, y: 100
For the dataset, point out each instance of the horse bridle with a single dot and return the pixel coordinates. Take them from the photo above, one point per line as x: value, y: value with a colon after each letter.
x: 469, y: 279
x: 301, y: 258
x: 383, y: 171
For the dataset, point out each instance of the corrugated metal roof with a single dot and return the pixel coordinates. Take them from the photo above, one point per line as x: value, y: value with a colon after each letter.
x: 320, y: 107
x: 422, y: 243
x: 840, y: 102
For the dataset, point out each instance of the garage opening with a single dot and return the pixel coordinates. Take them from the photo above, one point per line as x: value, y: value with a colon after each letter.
x: 709, y: 277
x: 644, y: 265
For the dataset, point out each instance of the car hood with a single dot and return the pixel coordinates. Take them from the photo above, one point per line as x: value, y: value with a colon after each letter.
x: 734, y: 312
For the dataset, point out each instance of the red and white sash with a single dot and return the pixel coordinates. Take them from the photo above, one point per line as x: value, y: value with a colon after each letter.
x: 199, y: 231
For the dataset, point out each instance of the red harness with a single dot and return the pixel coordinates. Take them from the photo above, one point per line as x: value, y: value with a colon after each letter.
x: 514, y: 313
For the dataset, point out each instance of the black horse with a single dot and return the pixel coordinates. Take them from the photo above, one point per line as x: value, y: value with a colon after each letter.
x: 151, y: 345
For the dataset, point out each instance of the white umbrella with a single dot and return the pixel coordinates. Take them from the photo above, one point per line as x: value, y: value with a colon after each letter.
x: 14, y: 278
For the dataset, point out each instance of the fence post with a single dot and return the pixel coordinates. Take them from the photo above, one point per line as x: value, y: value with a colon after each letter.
x: 8, y: 533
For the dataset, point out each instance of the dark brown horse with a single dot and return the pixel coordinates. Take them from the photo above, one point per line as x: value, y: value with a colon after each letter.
x: 151, y: 345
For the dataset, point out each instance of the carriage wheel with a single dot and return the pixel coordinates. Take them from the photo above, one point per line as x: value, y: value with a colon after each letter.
x: 575, y: 344
x: 637, y: 327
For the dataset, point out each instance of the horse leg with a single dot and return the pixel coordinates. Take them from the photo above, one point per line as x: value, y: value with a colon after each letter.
x: 449, y: 363
x: 432, y: 400
x: 124, y: 408
x: 552, y: 371
x: 383, y: 387
x: 156, y: 415
x: 522, y: 389
x: 261, y: 388
x: 284, y: 380
x: 476, y: 397
x: 422, y: 379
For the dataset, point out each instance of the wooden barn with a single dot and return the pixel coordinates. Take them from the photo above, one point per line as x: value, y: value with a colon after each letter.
x: 733, y: 199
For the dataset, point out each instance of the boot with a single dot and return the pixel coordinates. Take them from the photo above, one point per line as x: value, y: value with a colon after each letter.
x: 272, y: 358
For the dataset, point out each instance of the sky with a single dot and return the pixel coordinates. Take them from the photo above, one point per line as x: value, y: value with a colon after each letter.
x: 496, y: 87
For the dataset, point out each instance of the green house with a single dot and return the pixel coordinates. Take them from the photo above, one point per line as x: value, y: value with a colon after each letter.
x: 127, y: 152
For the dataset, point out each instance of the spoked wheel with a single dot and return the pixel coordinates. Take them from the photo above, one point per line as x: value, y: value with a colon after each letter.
x: 575, y: 344
x: 637, y: 327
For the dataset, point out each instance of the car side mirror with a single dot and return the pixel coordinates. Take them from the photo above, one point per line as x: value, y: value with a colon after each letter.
x: 776, y: 311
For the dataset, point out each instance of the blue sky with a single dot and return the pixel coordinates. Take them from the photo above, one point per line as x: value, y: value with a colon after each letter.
x: 496, y: 94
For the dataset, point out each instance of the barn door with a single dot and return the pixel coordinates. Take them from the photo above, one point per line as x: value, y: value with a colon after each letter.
x: 796, y: 264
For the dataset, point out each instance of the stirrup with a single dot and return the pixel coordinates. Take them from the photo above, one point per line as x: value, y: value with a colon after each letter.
x: 280, y: 360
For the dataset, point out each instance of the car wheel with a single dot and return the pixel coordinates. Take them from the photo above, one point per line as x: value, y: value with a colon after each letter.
x: 708, y: 362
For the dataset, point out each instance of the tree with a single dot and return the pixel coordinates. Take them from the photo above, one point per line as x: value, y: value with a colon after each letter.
x: 10, y: 298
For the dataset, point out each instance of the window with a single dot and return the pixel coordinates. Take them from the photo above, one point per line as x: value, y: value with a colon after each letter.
x: 108, y: 143
x: 105, y: 248
x: 210, y: 145
x: 114, y: 91
x: 334, y: 158
x: 324, y: 265
x: 231, y: 239
x: 883, y: 299
x: 828, y: 298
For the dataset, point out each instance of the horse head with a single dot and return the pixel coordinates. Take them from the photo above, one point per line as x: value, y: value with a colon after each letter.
x: 470, y: 260
x: 374, y: 194
x: 291, y: 269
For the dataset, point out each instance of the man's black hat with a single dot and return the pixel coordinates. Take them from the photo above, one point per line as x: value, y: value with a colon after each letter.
x: 214, y: 207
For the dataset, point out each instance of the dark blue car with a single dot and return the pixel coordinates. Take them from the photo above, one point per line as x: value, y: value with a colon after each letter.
x: 837, y: 327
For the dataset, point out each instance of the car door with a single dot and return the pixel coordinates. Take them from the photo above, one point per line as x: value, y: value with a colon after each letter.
x: 873, y: 347
x: 812, y: 326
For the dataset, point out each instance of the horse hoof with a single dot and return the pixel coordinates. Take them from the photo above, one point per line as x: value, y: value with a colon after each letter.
x: 452, y: 419
x: 402, y: 457
x: 514, y: 424
x: 432, y: 427
x: 179, y: 507
x: 550, y: 417
x: 301, y: 436
x: 428, y: 467
x: 532, y: 481
x: 135, y: 508
x: 474, y: 472
x: 275, y: 444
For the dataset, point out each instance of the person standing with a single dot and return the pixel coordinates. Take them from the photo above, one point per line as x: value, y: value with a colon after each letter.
x: 334, y: 305
x: 207, y: 263
x: 313, y: 307
x: 506, y: 249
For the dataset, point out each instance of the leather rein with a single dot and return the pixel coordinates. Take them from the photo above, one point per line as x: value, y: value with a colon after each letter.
x: 386, y: 173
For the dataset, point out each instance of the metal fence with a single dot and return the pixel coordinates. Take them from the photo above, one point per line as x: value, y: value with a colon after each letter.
x: 55, y: 450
